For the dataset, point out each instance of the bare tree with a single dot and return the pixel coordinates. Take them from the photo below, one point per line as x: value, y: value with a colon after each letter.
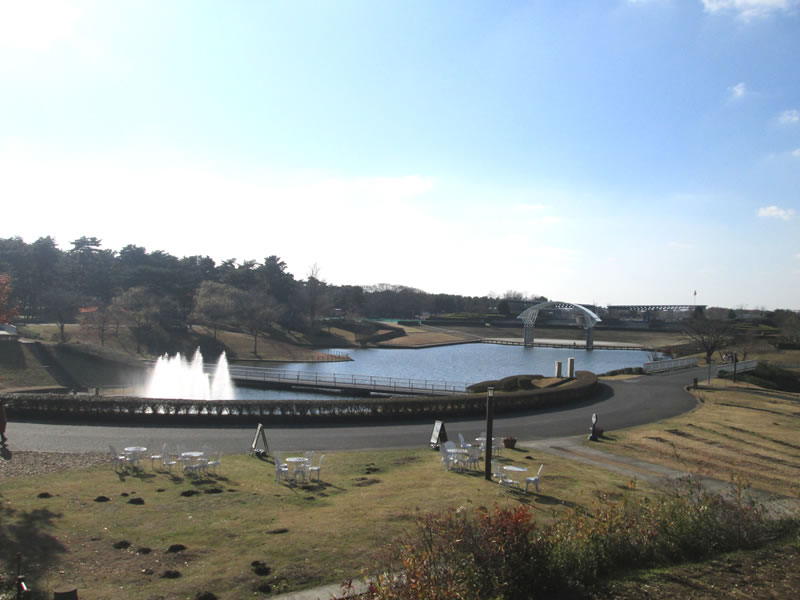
x: 256, y: 311
x: 98, y: 320
x: 709, y: 334
x: 315, y: 296
x: 214, y: 304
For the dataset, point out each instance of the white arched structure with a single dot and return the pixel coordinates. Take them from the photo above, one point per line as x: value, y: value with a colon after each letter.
x: 528, y: 317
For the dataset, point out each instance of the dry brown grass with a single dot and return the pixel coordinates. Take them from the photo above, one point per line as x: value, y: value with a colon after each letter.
x: 417, y: 337
x: 646, y: 338
x: 19, y: 369
x: 737, y: 430
x: 330, y: 530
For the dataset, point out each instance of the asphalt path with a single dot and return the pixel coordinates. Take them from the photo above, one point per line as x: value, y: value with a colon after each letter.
x: 618, y: 404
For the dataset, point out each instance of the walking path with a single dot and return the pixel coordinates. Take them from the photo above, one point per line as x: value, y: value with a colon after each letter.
x: 574, y: 448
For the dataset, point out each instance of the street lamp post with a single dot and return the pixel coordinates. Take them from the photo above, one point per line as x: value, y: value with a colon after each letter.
x: 489, y: 432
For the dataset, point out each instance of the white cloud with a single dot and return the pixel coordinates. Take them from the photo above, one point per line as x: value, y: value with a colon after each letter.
x: 797, y: 256
x: 776, y: 213
x: 796, y: 153
x: 747, y: 10
x: 789, y: 117
x: 737, y: 91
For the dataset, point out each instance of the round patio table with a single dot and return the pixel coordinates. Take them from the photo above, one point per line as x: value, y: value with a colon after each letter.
x: 298, y: 463
x: 514, y: 472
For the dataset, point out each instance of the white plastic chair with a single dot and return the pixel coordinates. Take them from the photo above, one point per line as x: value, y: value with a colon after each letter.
x: 500, y: 475
x: 455, y: 458
x: 157, y: 457
x: 473, y: 456
x: 447, y: 459
x: 462, y: 442
x: 497, y: 447
x: 117, y: 458
x: 316, y: 468
x: 534, y: 480
x: 133, y: 459
x: 281, y: 468
x: 169, y: 460
x: 215, y: 462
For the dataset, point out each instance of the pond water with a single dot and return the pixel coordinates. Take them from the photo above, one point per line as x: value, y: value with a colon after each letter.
x: 463, y: 363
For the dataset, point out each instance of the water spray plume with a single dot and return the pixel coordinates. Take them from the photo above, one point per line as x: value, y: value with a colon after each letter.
x: 175, y: 377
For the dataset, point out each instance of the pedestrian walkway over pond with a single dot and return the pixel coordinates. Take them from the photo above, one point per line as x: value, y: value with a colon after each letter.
x: 356, y: 384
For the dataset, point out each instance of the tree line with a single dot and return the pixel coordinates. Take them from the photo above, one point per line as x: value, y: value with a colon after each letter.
x: 155, y: 292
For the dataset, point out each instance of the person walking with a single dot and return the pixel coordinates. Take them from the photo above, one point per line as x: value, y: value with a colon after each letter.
x: 3, y: 422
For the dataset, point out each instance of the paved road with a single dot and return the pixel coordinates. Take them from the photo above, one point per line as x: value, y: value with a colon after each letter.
x: 618, y: 404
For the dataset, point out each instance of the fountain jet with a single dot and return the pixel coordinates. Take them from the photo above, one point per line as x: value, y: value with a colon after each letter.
x: 175, y: 377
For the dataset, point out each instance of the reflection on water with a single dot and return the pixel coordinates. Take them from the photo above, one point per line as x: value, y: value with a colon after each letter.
x: 464, y: 363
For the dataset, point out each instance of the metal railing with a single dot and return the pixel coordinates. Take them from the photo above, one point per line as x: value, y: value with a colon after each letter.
x: 375, y: 383
x: 667, y: 365
x: 741, y: 366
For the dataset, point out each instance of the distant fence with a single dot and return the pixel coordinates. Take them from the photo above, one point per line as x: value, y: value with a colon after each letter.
x: 741, y: 366
x: 150, y: 410
x: 657, y: 366
x: 344, y: 381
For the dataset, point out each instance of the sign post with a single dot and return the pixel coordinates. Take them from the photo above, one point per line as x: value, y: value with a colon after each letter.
x: 438, y: 435
x: 593, y: 434
x: 260, y: 435
x: 489, y: 433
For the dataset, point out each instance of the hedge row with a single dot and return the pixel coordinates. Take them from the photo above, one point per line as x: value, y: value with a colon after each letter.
x: 148, y: 410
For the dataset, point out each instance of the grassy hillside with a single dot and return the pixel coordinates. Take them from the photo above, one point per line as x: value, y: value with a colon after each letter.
x: 20, y: 369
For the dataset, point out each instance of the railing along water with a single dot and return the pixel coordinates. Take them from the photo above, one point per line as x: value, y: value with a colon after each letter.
x: 376, y: 383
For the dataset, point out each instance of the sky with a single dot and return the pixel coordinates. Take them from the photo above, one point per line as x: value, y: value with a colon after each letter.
x: 604, y: 152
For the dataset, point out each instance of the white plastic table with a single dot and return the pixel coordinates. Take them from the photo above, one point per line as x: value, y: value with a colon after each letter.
x: 514, y: 472
x: 132, y: 449
x: 192, y: 454
x: 298, y: 463
x: 457, y: 454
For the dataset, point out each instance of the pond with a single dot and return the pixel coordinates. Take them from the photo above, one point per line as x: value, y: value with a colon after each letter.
x: 463, y: 363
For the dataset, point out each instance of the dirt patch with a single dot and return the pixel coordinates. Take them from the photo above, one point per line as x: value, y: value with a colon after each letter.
x: 260, y: 568
x: 405, y: 460
x: 365, y: 481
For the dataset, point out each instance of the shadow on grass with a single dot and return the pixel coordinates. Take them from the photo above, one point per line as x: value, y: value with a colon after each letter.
x: 26, y: 533
x: 136, y: 475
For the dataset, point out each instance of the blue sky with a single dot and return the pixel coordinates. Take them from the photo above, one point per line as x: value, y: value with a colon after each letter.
x: 613, y: 151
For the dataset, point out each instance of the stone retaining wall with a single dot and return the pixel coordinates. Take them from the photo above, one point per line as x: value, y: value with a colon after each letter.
x: 171, y: 411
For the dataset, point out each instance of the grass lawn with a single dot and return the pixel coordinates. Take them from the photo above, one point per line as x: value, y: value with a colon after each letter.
x: 646, y: 338
x: 738, y: 429
x: 20, y: 369
x: 424, y: 336
x: 301, y: 536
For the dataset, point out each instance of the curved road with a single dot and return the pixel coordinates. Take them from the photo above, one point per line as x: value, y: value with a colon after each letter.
x: 618, y: 404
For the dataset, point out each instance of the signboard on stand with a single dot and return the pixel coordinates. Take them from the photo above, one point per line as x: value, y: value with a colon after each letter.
x: 438, y: 435
x: 260, y: 436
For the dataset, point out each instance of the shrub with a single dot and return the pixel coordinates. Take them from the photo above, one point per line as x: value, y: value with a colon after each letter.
x: 479, y: 554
